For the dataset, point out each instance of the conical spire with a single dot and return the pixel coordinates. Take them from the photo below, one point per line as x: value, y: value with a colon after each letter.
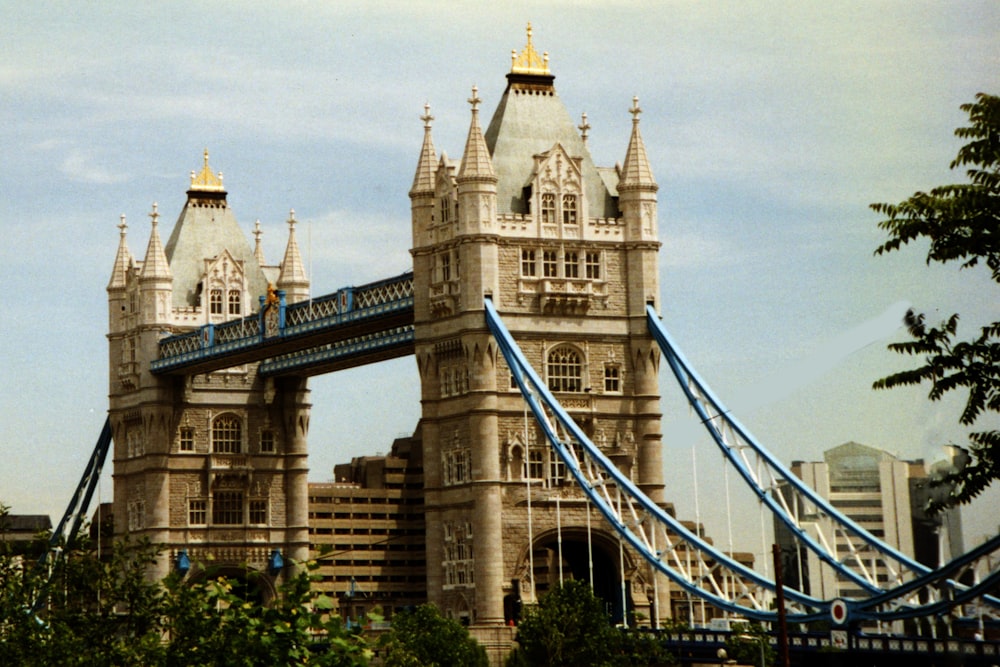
x: 155, y: 265
x: 123, y: 259
x: 476, y: 163
x: 293, y: 278
x: 636, y: 172
x: 258, y: 248
x: 423, y: 180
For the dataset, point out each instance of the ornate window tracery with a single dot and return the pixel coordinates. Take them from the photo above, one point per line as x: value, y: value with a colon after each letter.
x: 564, y: 369
x: 227, y: 435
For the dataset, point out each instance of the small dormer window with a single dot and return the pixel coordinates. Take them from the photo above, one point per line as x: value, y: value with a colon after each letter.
x: 215, y: 301
x: 235, y: 302
x: 548, y: 208
x: 569, y: 209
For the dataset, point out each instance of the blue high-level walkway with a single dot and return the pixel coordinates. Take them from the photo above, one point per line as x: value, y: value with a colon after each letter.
x: 350, y: 327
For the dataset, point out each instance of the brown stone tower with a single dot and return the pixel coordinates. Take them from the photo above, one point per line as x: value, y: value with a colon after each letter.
x: 211, y: 466
x: 568, y: 252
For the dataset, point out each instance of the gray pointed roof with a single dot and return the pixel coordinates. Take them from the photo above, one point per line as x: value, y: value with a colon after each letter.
x: 530, y: 120
x: 205, y: 228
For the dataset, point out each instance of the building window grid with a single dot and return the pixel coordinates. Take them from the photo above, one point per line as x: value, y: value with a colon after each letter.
x: 267, y: 441
x: 592, y: 265
x: 197, y: 512
x: 186, y: 439
x: 548, y: 208
x: 550, y: 263
x: 564, y: 370
x: 258, y: 511
x: 528, y: 268
x: 227, y: 508
x: 227, y: 435
x: 571, y: 264
x: 612, y: 378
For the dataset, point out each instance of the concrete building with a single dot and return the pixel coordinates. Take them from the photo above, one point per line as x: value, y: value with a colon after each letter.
x: 882, y: 493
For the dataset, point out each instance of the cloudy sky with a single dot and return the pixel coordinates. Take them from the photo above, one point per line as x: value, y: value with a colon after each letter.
x: 770, y: 128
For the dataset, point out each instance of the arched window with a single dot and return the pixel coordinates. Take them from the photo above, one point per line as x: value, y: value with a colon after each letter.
x: 548, y: 208
x: 227, y: 435
x: 234, y: 302
x: 565, y: 369
x: 569, y: 209
x: 215, y: 301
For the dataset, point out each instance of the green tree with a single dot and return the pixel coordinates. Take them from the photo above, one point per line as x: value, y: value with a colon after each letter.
x: 962, y: 224
x: 568, y: 627
x: 97, y: 612
x: 424, y: 638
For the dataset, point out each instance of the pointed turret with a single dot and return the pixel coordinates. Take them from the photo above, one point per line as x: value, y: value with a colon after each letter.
x: 423, y: 179
x: 155, y: 279
x: 123, y: 260
x: 476, y: 163
x: 258, y: 248
x: 293, y: 279
x: 155, y: 266
x: 636, y: 172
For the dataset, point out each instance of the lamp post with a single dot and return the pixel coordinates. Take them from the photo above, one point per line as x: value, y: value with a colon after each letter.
x: 756, y: 638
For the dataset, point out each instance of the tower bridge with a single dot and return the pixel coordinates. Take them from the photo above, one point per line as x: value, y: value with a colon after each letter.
x: 535, y: 284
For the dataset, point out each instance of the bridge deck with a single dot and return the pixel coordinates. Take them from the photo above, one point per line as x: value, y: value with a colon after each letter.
x: 350, y: 327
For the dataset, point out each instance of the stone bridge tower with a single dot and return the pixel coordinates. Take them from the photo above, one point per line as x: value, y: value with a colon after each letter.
x: 568, y: 253
x: 211, y: 466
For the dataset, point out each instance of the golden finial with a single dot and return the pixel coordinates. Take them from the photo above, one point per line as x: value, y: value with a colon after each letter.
x: 206, y: 180
x: 529, y: 62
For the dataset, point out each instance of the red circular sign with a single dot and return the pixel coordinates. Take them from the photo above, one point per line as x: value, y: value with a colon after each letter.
x: 838, y: 612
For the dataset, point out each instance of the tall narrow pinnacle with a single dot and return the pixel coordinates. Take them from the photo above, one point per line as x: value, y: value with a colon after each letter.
x: 423, y: 179
x: 123, y: 259
x: 155, y: 265
x: 258, y: 248
x: 636, y: 172
x: 293, y: 278
x: 476, y: 163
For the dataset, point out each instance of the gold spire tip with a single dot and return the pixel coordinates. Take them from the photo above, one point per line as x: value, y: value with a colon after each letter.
x: 528, y: 61
x: 206, y: 180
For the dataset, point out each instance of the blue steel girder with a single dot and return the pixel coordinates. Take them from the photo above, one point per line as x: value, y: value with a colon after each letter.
x: 350, y: 327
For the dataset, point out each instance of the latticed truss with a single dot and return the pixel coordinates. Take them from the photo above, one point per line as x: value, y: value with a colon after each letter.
x: 699, y: 568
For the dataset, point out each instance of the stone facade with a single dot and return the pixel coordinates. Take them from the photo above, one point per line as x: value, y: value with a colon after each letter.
x: 211, y: 466
x: 568, y: 253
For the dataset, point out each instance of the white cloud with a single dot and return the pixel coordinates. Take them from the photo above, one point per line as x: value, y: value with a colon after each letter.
x: 80, y: 165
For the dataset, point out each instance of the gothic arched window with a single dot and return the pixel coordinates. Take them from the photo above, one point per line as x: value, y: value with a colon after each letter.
x: 569, y: 209
x: 235, y: 302
x: 548, y: 208
x: 565, y: 369
x: 227, y: 435
x: 215, y: 301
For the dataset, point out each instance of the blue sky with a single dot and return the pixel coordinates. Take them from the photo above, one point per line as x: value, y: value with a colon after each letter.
x: 770, y: 128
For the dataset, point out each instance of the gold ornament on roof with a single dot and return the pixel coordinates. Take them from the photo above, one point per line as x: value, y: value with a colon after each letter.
x: 206, y: 180
x: 528, y: 61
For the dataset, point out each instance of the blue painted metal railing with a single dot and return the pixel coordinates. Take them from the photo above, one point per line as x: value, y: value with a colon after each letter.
x: 343, y: 308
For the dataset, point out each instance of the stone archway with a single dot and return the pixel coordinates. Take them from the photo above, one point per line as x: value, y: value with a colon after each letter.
x: 576, y: 564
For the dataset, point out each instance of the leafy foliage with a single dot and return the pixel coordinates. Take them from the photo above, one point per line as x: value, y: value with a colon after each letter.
x: 961, y: 223
x: 424, y: 638
x: 570, y: 627
x: 98, y: 613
